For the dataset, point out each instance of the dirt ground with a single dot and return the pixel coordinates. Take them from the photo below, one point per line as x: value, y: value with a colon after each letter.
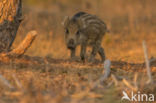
x: 45, y: 74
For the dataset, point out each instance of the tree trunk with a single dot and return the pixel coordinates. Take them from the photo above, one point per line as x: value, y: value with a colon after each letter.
x: 10, y: 19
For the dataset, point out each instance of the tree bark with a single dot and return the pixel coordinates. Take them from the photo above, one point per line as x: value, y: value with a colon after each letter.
x: 10, y: 19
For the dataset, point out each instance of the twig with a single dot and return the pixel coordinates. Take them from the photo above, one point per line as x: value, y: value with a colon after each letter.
x: 129, y: 85
x: 115, y: 80
x: 6, y: 82
x: 147, y: 62
x: 107, y: 65
x: 135, y: 80
x: 17, y: 82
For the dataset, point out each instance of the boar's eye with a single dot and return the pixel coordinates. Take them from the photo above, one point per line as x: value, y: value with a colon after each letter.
x: 67, y: 31
x: 78, y: 33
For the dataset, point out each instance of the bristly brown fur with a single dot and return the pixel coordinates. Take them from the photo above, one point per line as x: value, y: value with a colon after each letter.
x: 86, y: 30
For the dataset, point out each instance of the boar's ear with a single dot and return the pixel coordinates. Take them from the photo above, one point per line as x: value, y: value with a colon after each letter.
x: 66, y: 21
x: 81, y: 23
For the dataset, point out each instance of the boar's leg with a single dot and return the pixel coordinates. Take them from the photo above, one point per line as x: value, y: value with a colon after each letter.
x: 95, y: 49
x: 72, y: 53
x: 83, y: 52
x: 102, y: 53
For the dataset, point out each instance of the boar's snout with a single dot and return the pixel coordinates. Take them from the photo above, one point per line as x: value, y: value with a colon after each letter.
x: 71, y: 44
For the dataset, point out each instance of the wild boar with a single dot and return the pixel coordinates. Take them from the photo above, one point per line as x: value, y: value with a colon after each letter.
x: 85, y: 30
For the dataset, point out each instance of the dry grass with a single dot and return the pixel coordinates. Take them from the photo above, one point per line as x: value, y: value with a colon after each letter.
x: 49, y: 76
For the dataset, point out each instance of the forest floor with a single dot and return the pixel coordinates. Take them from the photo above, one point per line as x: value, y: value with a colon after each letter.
x: 50, y: 80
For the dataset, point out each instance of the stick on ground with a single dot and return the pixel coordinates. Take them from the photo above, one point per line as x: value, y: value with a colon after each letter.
x: 147, y: 62
x: 107, y: 66
x: 107, y: 71
x: 129, y: 85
